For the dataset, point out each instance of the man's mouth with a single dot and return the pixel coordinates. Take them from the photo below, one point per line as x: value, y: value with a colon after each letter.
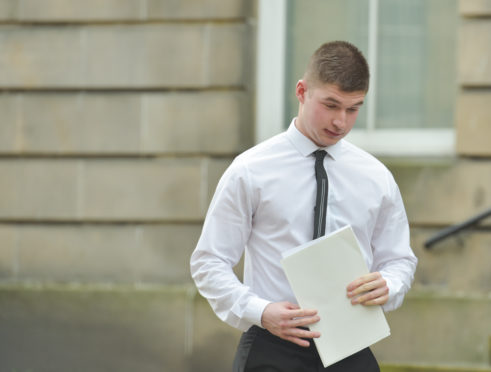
x: 332, y: 134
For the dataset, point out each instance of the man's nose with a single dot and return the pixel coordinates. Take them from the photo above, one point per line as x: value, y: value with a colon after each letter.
x: 339, y: 120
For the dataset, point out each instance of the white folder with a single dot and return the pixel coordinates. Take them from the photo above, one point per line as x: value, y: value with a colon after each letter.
x: 319, y: 272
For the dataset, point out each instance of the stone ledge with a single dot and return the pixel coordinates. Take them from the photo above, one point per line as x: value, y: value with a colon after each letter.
x: 120, y: 10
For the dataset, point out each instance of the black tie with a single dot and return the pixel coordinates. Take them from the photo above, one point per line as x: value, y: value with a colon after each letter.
x: 321, y: 198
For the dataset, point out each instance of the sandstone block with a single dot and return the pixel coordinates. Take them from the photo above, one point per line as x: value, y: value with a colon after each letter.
x: 195, y: 9
x: 81, y: 123
x: 215, y: 169
x: 86, y: 253
x: 475, y: 8
x: 9, y: 139
x: 8, y: 248
x: 123, y: 56
x: 444, y: 193
x: 34, y: 57
x: 40, y: 188
x: 93, y: 10
x: 8, y: 9
x: 140, y: 189
x: 457, y: 264
x: 125, y: 123
x: 166, y: 250
x: 124, y: 254
x: 229, y: 54
x: 475, y: 53
x: 120, y: 10
x: 145, y: 56
x: 213, y: 125
x: 473, y: 124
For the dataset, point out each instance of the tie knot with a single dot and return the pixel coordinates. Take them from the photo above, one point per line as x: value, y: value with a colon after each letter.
x: 320, y: 155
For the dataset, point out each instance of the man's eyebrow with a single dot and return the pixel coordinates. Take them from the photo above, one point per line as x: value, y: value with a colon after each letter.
x: 334, y: 100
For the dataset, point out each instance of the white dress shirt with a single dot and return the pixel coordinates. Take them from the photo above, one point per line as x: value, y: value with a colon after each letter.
x: 264, y: 205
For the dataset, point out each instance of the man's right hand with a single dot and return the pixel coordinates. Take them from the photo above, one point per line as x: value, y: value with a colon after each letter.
x: 283, y: 319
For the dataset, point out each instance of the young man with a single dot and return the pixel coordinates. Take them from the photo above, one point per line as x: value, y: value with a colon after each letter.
x: 268, y: 201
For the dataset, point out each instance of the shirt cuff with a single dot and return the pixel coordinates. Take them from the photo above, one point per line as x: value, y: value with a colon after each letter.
x: 254, y: 310
x: 395, y: 296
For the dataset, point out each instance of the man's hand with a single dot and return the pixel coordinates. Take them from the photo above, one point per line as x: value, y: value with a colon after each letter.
x: 283, y: 318
x: 370, y: 289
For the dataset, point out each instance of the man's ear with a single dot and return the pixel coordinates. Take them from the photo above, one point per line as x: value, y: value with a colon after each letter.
x: 301, y: 90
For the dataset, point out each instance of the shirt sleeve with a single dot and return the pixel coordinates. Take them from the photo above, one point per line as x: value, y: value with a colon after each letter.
x: 222, y: 242
x: 393, y: 256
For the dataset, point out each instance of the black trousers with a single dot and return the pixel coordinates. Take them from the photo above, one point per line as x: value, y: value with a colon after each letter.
x: 261, y: 351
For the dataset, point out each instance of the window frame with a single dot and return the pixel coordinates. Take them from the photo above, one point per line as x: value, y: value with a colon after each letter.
x: 270, y: 101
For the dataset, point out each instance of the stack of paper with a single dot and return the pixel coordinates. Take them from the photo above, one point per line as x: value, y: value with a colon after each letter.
x: 319, y: 272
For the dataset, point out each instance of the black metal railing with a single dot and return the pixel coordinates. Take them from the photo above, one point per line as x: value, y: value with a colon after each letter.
x: 454, y: 229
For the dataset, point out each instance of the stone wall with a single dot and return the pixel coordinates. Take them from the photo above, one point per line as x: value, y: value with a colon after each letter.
x: 118, y: 117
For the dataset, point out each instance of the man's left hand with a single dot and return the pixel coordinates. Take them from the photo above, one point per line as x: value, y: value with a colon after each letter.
x: 370, y: 289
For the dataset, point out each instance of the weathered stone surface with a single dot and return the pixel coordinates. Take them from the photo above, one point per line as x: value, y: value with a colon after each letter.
x: 229, y: 48
x: 475, y: 53
x: 8, y: 9
x: 103, y: 189
x: 215, y: 168
x: 36, y: 189
x: 167, y: 250
x: 458, y: 264
x: 444, y: 193
x: 472, y: 8
x: 117, y: 10
x: 80, y: 329
x: 140, y: 189
x: 196, y: 9
x: 8, y: 130
x: 123, y: 56
x: 33, y: 57
x: 432, y: 329
x: 72, y: 10
x: 207, y: 122
x: 473, y: 123
x: 124, y: 123
x: 8, y: 248
x: 80, y: 123
x: 98, y: 253
x: 214, y: 342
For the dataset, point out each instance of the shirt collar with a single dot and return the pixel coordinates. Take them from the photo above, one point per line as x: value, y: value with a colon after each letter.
x: 306, y: 147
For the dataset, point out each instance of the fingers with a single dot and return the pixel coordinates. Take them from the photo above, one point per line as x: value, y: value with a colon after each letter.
x: 377, y: 296
x: 298, y: 336
x: 370, y: 289
x: 363, y: 280
x: 283, y: 319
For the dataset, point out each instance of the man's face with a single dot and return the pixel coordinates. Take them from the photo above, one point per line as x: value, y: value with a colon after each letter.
x: 326, y: 113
